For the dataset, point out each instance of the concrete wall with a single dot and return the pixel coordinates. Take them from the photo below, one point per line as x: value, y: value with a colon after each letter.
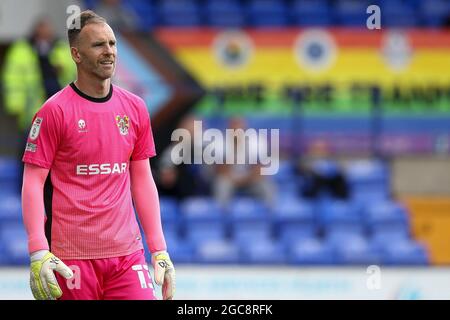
x: 423, y: 175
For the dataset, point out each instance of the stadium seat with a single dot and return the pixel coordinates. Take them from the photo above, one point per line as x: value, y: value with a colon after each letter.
x: 202, y: 220
x: 145, y: 12
x: 385, y: 214
x: 434, y: 12
x: 368, y: 180
x: 200, y: 209
x: 9, y: 171
x: 294, y: 220
x: 267, y: 13
x: 350, y: 13
x: 247, y: 209
x: 179, y: 13
x: 382, y: 236
x: 398, y: 14
x: 309, y: 13
x: 335, y: 216
x: 200, y: 231
x: 406, y: 252
x: 310, y: 251
x: 221, y: 251
x: 169, y: 209
x: 246, y: 232
x: 10, y: 207
x: 90, y: 4
x: 286, y: 172
x: 181, y: 251
x: 264, y: 252
x: 9, y: 168
x: 14, y: 239
x: 326, y: 168
x: 224, y: 13
x: 356, y: 250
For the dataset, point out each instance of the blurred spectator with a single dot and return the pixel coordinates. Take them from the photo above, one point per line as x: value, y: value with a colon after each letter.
x: 322, y: 176
x: 117, y: 15
x: 241, y: 179
x: 34, y: 70
x: 185, y: 179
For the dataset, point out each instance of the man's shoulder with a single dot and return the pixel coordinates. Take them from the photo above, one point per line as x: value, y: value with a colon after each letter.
x: 128, y: 95
x: 59, y: 99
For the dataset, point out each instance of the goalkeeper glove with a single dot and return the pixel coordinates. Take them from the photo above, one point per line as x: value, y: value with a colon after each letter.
x: 164, y: 273
x: 43, y: 282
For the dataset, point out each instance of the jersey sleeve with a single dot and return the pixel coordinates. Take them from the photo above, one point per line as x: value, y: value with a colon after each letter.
x: 44, y: 137
x: 144, y: 147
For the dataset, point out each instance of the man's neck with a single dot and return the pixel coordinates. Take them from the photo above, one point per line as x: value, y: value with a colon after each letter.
x: 92, y: 87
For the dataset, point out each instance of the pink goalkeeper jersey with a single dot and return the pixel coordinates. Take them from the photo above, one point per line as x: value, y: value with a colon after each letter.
x: 88, y: 143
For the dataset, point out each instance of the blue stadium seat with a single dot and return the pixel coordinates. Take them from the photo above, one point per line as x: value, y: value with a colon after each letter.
x: 326, y: 168
x: 246, y: 232
x: 310, y: 251
x: 145, y: 12
x: 264, y: 252
x: 9, y: 171
x: 9, y: 168
x: 294, y: 220
x: 201, y: 209
x: 202, y: 219
x: 407, y: 252
x: 201, y: 231
x: 286, y: 172
x: 383, y: 236
x: 267, y: 13
x: 169, y: 209
x: 368, y: 180
x: 179, y: 13
x: 225, y: 13
x: 398, y: 14
x: 434, y: 12
x: 181, y: 250
x: 10, y: 207
x: 338, y: 215
x: 288, y: 189
x: 91, y: 4
x: 15, y: 242
x: 221, y: 251
x: 351, y: 13
x: 356, y: 250
x: 247, y: 209
x: 308, y: 13
x: 386, y: 214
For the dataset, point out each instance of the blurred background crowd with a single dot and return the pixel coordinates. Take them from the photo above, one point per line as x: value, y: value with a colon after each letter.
x: 363, y: 117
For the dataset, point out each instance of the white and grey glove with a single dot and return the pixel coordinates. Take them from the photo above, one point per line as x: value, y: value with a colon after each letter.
x: 164, y: 273
x: 43, y: 282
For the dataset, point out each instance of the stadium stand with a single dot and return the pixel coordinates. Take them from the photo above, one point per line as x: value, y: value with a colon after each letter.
x: 369, y: 228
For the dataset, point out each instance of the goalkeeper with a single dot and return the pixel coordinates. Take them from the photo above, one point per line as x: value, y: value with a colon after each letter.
x: 86, y: 161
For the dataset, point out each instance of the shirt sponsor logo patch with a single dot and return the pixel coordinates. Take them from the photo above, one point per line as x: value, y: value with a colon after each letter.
x: 31, y: 147
x: 35, y: 128
x: 123, y: 123
x: 103, y: 168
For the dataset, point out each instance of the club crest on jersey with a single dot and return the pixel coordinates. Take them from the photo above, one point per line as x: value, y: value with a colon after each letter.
x: 123, y: 123
x: 35, y: 128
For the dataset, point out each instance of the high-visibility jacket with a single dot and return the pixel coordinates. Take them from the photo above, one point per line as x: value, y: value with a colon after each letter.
x: 23, y: 87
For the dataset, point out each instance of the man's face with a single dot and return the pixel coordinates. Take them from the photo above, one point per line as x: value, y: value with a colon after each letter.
x: 97, y: 51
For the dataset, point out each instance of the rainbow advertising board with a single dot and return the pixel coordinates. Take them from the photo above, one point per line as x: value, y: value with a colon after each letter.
x: 264, y: 71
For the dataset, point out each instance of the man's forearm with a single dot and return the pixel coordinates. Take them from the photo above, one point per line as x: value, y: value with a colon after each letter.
x: 146, y: 200
x: 33, y: 210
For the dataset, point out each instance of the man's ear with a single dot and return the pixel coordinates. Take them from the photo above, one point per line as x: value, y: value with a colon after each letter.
x: 75, y: 54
